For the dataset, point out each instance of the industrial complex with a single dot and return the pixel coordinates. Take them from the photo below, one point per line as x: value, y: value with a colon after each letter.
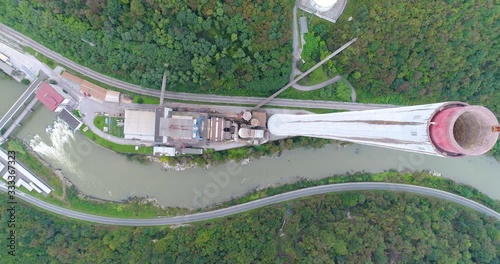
x: 190, y: 132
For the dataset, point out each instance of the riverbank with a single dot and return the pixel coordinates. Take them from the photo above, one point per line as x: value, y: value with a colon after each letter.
x: 146, y: 207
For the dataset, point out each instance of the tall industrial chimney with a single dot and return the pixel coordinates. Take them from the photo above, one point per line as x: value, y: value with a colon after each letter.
x: 450, y: 129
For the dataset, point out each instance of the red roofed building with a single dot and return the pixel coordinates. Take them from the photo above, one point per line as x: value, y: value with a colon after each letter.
x: 52, y: 99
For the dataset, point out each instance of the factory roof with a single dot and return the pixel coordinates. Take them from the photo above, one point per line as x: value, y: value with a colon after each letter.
x: 261, y: 116
x: 112, y: 96
x: 164, y: 151
x: 70, y: 119
x: 250, y: 133
x: 94, y: 91
x: 49, y: 96
x: 139, y: 124
x: 3, y: 57
x: 177, y: 127
x: 217, y: 127
x: 71, y: 77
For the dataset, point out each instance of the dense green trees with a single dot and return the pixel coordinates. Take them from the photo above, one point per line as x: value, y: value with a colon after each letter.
x: 421, y: 51
x: 361, y: 227
x: 209, y: 45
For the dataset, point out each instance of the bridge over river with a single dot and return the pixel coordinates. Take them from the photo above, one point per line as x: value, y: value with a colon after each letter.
x: 23, y: 106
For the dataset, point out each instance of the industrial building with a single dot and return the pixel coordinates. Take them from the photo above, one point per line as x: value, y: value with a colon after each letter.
x: 91, y: 90
x: 189, y: 132
x: 164, y: 151
x: 54, y: 99
x: 219, y: 129
x: 139, y: 124
x: 179, y: 127
x: 70, y: 119
x: 23, y: 176
x: 450, y: 129
x: 7, y: 67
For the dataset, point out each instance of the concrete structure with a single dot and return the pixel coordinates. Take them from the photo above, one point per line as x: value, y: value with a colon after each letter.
x: 193, y: 151
x: 329, y: 10
x: 3, y: 57
x: 139, y: 124
x: 18, y: 105
x: 164, y: 151
x: 182, y: 127
x: 450, y: 129
x: 112, y: 97
x: 248, y: 133
x: 7, y: 67
x: 21, y: 182
x: 70, y: 119
x: 303, y: 25
x: 219, y: 129
x: 25, y: 175
x: 17, y: 122
x: 323, y: 5
x: 51, y: 98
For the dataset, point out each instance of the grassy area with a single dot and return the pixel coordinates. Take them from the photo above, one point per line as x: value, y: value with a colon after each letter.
x: 144, y: 99
x: 339, y: 91
x: 33, y: 164
x: 113, y: 128
x: 77, y: 113
x: 126, y: 149
x: 312, y: 110
x: 315, y: 77
x: 51, y: 63
x: 99, y: 122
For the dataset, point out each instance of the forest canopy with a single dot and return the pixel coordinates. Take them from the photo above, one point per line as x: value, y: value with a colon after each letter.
x: 351, y: 227
x: 208, y: 45
x: 408, y: 52
x: 412, y: 52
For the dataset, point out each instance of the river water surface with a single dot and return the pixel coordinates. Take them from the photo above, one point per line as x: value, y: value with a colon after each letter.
x: 101, y: 173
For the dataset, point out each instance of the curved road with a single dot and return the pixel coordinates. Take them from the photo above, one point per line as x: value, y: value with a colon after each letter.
x: 296, y: 56
x: 360, y: 186
x: 23, y: 40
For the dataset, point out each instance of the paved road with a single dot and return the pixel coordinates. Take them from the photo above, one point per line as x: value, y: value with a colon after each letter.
x: 23, y: 99
x: 368, y: 186
x: 23, y: 40
x: 317, y: 65
x: 317, y: 86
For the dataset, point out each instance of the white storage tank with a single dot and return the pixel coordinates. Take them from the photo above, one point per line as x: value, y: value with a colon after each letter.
x: 323, y: 5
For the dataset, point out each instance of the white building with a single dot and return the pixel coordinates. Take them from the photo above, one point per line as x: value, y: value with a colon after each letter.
x: 139, y: 124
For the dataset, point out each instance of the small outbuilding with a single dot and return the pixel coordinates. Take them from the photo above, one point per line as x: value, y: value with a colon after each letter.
x: 112, y: 96
x: 70, y: 119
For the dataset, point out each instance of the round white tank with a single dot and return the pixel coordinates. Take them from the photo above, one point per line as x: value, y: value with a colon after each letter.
x: 323, y: 5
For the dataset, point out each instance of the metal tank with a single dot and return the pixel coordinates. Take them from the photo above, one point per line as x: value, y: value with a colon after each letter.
x: 323, y: 5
